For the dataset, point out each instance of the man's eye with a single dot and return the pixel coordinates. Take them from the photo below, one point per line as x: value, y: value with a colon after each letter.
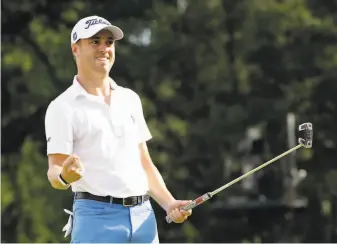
x: 110, y: 42
x: 95, y: 41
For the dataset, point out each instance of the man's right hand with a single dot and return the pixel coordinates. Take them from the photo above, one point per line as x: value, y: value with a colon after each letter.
x: 72, y: 169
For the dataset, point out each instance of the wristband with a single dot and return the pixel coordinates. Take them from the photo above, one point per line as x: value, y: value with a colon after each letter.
x: 63, y: 181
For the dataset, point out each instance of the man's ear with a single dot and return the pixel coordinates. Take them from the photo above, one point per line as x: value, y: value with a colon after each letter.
x: 75, y: 49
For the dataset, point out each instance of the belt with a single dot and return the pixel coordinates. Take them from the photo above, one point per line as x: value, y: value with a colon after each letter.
x: 126, y: 202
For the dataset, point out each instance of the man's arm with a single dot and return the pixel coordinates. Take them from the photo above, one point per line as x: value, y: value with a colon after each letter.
x: 158, y: 189
x: 55, y: 162
x: 63, y: 167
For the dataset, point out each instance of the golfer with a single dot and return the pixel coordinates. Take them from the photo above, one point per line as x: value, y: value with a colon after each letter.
x: 96, y: 143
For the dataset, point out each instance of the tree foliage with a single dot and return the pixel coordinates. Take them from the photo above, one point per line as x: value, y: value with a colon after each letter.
x: 206, y: 72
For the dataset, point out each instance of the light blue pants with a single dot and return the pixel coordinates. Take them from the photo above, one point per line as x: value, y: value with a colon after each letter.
x: 102, y: 222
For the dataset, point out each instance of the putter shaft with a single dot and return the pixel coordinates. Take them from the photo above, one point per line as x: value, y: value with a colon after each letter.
x: 209, y: 195
x: 256, y: 169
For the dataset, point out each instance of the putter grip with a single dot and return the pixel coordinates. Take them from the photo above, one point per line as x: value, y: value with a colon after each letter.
x: 193, y: 204
x: 186, y: 208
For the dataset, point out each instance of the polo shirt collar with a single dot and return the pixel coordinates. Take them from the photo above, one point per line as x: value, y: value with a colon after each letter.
x: 80, y: 91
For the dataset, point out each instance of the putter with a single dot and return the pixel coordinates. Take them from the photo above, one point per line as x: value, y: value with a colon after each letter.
x: 305, y: 142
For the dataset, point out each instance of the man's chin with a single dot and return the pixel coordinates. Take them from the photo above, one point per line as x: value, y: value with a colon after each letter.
x: 103, y: 68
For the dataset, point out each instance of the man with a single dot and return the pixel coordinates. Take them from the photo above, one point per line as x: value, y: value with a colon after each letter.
x: 96, y: 142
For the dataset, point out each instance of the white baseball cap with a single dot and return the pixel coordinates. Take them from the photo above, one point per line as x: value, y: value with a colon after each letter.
x: 89, y: 26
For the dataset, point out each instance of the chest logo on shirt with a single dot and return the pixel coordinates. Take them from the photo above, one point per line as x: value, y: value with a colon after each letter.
x: 128, y: 124
x: 118, y: 131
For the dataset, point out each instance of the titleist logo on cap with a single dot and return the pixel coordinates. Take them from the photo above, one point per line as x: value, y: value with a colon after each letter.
x: 92, y: 22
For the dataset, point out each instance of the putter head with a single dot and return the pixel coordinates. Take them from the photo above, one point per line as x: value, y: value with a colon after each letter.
x: 307, y: 129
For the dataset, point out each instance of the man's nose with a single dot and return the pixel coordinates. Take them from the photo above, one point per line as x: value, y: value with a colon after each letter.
x: 103, y: 48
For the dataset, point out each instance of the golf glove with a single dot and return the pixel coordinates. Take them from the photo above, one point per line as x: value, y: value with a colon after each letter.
x: 69, y: 226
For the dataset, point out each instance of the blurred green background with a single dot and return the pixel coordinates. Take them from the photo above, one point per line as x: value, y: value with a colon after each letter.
x: 224, y: 85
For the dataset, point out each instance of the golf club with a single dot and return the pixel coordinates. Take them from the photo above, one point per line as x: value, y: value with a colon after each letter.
x: 305, y: 142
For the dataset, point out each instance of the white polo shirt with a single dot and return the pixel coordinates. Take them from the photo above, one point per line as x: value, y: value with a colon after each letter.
x: 105, y: 137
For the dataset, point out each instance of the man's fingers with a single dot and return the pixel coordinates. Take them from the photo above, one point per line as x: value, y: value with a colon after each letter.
x: 76, y: 169
x: 72, y: 168
x: 70, y: 160
x: 175, y: 215
x: 79, y: 171
x: 185, y: 202
x: 182, y: 204
x: 186, y: 213
x: 178, y: 216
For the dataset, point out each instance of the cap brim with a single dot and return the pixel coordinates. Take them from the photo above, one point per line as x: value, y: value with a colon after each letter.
x: 116, y: 31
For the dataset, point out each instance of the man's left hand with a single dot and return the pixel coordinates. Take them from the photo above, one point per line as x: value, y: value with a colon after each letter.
x: 176, y: 214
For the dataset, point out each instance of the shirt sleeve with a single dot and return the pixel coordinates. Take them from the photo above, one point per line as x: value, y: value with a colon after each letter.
x: 59, y: 129
x: 144, y: 133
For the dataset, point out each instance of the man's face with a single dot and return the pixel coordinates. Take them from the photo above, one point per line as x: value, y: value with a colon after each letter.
x: 96, y: 53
